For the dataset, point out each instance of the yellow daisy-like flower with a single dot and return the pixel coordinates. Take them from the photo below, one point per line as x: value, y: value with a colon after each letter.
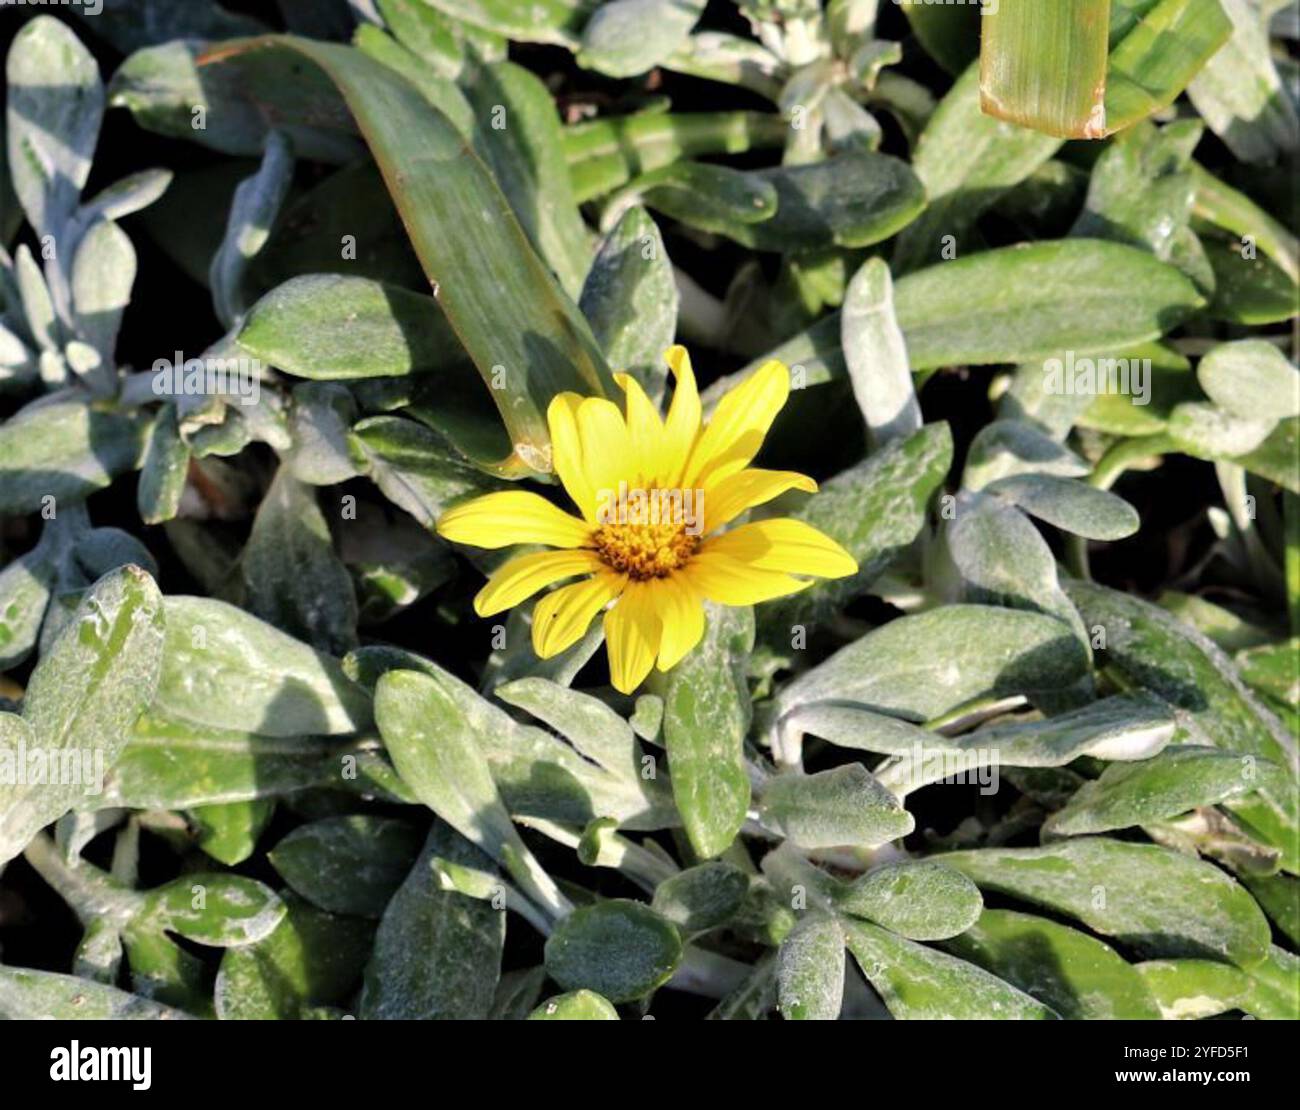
x: 653, y: 493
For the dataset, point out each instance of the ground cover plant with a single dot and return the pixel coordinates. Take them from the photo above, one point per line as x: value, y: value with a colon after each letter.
x: 588, y: 511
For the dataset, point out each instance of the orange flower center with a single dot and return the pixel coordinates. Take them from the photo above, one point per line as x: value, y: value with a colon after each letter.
x: 643, y: 551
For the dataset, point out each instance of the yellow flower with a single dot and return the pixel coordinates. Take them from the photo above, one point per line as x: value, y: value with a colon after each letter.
x: 653, y: 493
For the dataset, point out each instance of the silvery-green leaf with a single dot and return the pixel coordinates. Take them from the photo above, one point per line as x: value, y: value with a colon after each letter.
x: 1004, y: 560
x: 1279, y: 897
x: 37, y: 305
x: 103, y: 272
x: 164, y: 470
x: 311, y: 958
x: 1153, y: 900
x: 225, y: 668
x: 966, y: 160
x: 222, y: 910
x: 1078, y: 976
x: 81, y: 701
x: 1275, y: 990
x: 917, y: 899
x: 229, y: 832
x: 876, y: 354
x: 558, y: 22
x: 1240, y: 94
x: 619, y: 948
x: 718, y: 56
x: 414, y: 467
x: 1211, y: 433
x: 1070, y: 505
x: 125, y: 197
x: 326, y: 326
x: 874, y: 510
x: 918, y: 983
x: 323, y: 414
x: 845, y: 805
x: 1029, y: 302
x: 56, y: 103
x: 255, y: 206
x: 923, y: 665
x: 437, y: 953
x: 810, y: 969
x: 292, y: 575
x: 702, y: 897
x: 435, y: 749
x: 232, y: 106
x: 575, y: 1006
x: 709, y: 198
x: 28, y: 995
x: 586, y: 722
x: 25, y: 586
x: 349, y: 865
x: 1193, y: 989
x: 1008, y: 447
x: 1252, y: 379
x: 1179, y: 779
x: 630, y: 299
x: 1152, y: 649
x: 65, y: 451
x: 627, y: 37
x: 706, y: 717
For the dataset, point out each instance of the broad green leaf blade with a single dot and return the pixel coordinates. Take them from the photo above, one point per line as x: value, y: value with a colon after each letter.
x: 228, y: 833
x: 1275, y: 990
x: 63, y: 451
x: 575, y: 1006
x: 1079, y: 977
x: 222, y: 910
x: 920, y: 666
x: 918, y: 983
x: 810, y: 970
x: 435, y: 750
x: 706, y: 717
x: 509, y: 314
x: 919, y: 900
x: 1155, y: 901
x: 843, y: 806
x: 876, y: 354
x: 627, y: 37
x: 1030, y: 302
x: 311, y: 959
x: 348, y: 865
x: 27, y: 995
x: 620, y: 949
x: 1071, y: 506
x: 702, y: 897
x: 327, y: 326
x: 1251, y: 378
x: 557, y: 22
x: 163, y: 470
x: 586, y: 722
x: 1193, y: 989
x: 97, y: 677
x: 1179, y: 779
x: 437, y: 954
x: 1043, y: 66
x: 225, y: 668
x: 293, y: 577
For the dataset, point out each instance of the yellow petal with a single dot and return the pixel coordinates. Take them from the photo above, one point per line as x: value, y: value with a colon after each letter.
x: 632, y: 635
x: 681, y: 617
x: 645, y: 430
x: 606, y: 448
x: 566, y: 452
x: 682, y: 427
x: 741, y: 420
x: 510, y: 517
x: 728, y: 581
x: 783, y: 545
x: 730, y: 497
x: 520, y: 578
x: 560, y: 619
